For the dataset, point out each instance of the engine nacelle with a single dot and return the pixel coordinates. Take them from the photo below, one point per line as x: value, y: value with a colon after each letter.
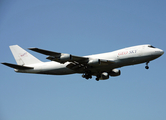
x: 94, y: 62
x: 115, y: 72
x: 65, y: 57
x: 104, y: 76
x: 97, y: 62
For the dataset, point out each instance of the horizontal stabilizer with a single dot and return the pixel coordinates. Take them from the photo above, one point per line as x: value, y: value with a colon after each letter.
x: 17, y: 66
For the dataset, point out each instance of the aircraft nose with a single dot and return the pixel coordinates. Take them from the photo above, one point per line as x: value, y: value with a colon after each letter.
x: 159, y: 52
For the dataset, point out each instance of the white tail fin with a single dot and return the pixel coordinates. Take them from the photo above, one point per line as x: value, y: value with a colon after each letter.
x: 22, y: 57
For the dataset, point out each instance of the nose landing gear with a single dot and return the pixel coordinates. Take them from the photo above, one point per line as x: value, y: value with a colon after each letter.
x: 147, y: 67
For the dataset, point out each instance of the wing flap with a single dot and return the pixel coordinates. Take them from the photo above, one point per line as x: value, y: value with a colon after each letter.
x: 76, y: 66
x: 17, y: 66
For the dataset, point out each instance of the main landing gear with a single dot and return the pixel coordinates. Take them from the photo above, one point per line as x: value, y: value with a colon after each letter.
x: 98, y: 77
x: 147, y: 67
x: 87, y: 75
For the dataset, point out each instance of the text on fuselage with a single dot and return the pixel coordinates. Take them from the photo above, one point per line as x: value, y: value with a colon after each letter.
x: 127, y: 52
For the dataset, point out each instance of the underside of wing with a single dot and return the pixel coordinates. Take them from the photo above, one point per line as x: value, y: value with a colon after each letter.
x: 91, y: 64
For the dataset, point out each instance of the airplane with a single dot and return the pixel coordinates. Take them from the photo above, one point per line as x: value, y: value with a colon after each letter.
x: 100, y: 65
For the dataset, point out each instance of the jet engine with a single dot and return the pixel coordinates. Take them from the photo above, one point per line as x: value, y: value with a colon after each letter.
x: 94, y: 62
x: 62, y: 59
x: 104, y: 76
x: 97, y: 62
x: 65, y: 57
x: 115, y: 72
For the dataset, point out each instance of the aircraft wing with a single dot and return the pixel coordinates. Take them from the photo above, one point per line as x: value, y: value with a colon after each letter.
x: 60, y: 57
x: 76, y: 62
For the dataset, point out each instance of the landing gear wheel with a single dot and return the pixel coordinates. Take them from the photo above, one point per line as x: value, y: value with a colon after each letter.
x: 97, y: 79
x: 87, y: 75
x: 147, y: 67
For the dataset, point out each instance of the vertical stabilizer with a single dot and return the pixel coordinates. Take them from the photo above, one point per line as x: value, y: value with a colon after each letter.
x: 22, y: 57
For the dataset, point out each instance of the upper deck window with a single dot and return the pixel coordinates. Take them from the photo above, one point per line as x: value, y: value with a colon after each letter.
x: 151, y: 46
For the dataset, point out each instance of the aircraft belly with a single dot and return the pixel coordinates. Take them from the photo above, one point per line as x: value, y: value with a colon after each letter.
x: 135, y: 60
x: 58, y: 69
x: 64, y: 71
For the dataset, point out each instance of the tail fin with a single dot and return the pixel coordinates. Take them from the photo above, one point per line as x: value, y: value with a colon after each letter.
x: 22, y: 57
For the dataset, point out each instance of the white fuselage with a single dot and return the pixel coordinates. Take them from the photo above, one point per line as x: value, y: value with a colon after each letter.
x: 123, y: 57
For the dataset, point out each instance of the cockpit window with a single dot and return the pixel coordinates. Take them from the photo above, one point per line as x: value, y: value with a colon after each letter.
x: 151, y: 46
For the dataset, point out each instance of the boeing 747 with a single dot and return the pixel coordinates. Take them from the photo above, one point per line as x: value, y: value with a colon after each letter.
x: 100, y: 65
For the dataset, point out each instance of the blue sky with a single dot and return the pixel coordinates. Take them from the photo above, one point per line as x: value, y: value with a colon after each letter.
x: 83, y: 28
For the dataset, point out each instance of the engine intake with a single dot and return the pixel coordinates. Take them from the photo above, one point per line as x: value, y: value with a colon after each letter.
x: 65, y: 57
x: 104, y: 76
x: 94, y: 62
x: 62, y: 59
x: 115, y: 72
x: 97, y: 62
